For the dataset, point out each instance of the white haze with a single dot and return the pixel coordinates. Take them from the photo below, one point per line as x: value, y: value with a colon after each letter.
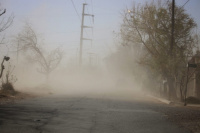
x: 71, y: 80
x: 58, y: 27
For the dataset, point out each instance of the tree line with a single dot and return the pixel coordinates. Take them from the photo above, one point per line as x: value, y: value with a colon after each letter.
x: 145, y: 39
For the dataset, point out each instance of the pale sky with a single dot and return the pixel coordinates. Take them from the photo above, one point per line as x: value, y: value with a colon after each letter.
x: 58, y: 24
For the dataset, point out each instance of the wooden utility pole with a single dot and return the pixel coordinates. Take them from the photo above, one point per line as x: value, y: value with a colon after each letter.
x: 171, y: 55
x: 172, y: 30
x: 81, y: 37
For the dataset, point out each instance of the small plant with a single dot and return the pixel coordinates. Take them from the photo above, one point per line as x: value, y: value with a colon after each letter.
x: 7, y: 86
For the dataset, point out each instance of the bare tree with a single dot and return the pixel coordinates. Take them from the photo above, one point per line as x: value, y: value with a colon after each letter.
x: 28, y: 41
x: 146, y: 29
x: 4, y: 22
x: 4, y: 11
x: 48, y: 64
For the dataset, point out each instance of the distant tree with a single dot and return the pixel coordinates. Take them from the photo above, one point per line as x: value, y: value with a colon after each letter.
x: 4, y: 23
x: 28, y: 41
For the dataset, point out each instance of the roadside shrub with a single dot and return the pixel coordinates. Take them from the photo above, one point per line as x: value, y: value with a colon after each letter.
x: 7, y: 88
x: 193, y: 100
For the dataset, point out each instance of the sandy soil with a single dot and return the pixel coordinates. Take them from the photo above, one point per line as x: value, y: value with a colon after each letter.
x: 7, y: 98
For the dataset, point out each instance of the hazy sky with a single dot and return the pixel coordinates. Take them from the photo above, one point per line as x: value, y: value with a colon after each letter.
x: 58, y: 24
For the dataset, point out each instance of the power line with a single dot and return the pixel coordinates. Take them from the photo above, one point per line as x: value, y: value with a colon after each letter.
x: 78, y: 14
x: 76, y: 10
x: 92, y: 7
x: 185, y: 4
x: 182, y: 6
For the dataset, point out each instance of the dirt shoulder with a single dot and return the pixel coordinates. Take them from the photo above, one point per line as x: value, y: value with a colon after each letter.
x: 8, y: 98
x: 188, y: 117
x: 183, y: 116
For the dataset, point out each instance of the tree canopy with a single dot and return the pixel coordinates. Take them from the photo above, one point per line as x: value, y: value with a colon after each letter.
x: 146, y: 30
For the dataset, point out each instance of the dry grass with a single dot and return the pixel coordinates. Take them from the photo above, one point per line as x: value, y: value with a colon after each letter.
x: 7, y: 97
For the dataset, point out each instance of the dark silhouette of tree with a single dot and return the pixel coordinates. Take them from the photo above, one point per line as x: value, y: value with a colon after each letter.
x: 4, y: 23
x: 28, y: 41
x: 147, y: 29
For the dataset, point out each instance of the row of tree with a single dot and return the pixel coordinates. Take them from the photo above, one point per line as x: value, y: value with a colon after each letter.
x: 146, y: 38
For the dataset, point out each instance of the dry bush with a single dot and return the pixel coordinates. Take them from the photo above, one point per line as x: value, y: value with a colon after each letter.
x: 8, y: 89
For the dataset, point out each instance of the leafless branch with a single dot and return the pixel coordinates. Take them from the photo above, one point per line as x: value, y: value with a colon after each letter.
x: 28, y: 40
x: 4, y: 11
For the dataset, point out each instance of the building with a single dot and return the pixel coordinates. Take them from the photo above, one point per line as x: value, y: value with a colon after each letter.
x: 194, y: 77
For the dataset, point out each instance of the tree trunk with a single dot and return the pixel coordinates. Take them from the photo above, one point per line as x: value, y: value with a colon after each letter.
x: 181, y: 89
x: 165, y: 90
x: 172, y: 91
x: 6, y: 78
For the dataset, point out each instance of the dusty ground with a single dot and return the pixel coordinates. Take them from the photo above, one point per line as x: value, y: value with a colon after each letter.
x: 188, y: 117
x: 7, y: 98
x: 184, y: 117
x: 82, y: 114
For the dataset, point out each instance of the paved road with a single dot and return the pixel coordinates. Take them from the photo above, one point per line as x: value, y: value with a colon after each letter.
x: 64, y: 114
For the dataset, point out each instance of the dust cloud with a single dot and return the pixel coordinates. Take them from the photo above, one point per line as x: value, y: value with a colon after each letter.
x: 73, y: 80
x: 118, y: 74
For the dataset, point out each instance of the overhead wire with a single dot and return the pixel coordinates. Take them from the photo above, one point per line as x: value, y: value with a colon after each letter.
x: 76, y: 10
x: 182, y: 6
x: 77, y: 13
x: 92, y: 7
x: 185, y: 3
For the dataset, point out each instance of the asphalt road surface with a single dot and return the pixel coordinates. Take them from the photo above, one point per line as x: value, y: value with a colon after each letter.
x: 64, y: 114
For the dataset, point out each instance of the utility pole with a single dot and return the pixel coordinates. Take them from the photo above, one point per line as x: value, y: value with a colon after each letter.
x: 171, y: 55
x: 81, y: 37
x: 172, y: 30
